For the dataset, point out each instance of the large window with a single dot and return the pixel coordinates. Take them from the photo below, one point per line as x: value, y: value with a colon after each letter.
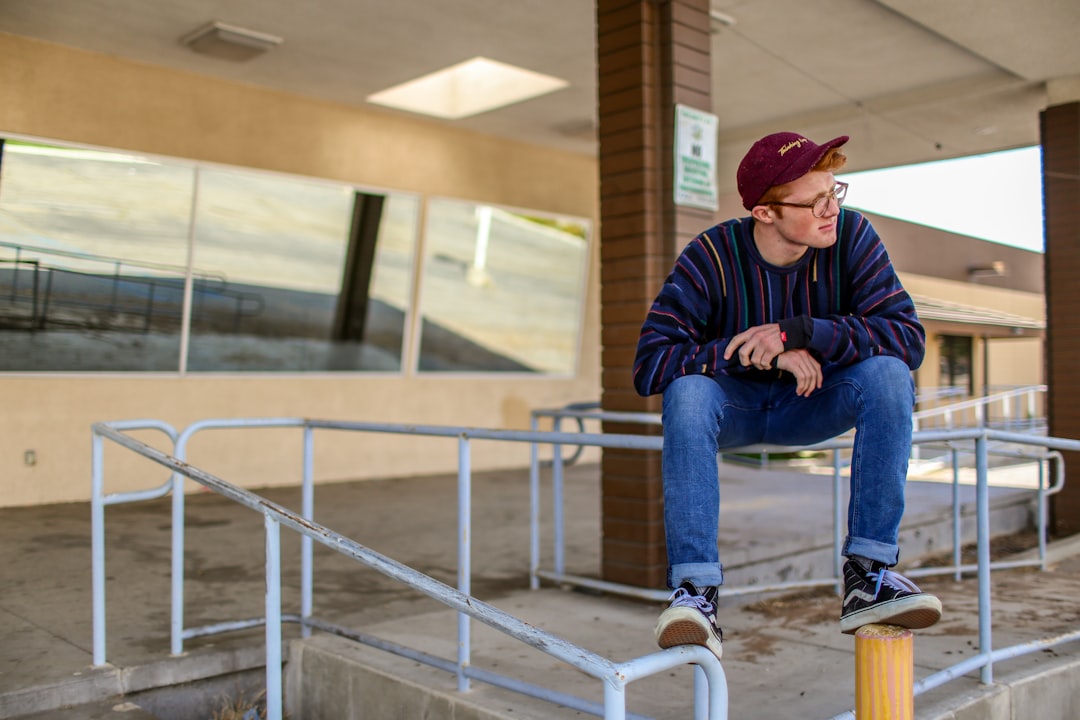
x: 112, y: 261
x: 94, y: 267
x: 290, y: 299
x: 93, y: 248
x: 502, y: 291
x: 955, y: 362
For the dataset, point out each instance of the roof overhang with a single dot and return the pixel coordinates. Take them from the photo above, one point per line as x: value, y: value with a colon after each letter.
x: 986, y: 319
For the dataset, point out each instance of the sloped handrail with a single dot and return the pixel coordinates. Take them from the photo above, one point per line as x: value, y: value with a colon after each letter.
x: 710, y: 681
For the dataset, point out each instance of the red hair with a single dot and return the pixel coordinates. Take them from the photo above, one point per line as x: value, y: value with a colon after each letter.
x: 831, y: 161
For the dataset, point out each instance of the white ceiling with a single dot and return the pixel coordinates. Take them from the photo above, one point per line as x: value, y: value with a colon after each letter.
x: 909, y: 80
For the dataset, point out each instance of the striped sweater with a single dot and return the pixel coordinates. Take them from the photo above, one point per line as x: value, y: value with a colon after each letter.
x: 848, y: 295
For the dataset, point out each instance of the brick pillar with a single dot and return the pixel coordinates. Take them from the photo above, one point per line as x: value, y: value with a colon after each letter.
x: 1060, y: 130
x: 651, y: 55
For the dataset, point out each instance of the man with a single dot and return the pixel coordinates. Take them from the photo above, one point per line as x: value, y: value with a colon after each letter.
x: 787, y: 327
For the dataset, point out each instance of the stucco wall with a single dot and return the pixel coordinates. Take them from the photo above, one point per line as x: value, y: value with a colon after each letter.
x: 53, y: 92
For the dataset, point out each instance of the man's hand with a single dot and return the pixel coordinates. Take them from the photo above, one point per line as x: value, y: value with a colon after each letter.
x: 763, y: 345
x: 804, y: 367
x: 757, y: 346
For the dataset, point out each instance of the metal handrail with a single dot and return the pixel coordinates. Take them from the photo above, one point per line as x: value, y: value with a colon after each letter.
x: 980, y: 405
x: 837, y: 446
x: 459, y: 599
x: 710, y: 682
x: 982, y: 438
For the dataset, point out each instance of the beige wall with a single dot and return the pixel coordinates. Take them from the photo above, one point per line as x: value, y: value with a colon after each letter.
x: 1013, y: 360
x: 52, y: 92
x: 1017, y: 361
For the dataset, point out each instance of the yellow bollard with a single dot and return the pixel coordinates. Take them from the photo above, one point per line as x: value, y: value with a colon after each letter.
x: 884, y: 673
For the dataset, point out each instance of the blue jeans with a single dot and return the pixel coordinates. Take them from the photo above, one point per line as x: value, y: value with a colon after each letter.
x: 704, y: 414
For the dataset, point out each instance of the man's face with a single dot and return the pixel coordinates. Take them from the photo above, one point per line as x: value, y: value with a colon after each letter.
x: 798, y: 225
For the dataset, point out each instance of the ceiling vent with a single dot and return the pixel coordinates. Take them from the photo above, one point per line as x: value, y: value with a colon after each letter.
x: 229, y: 42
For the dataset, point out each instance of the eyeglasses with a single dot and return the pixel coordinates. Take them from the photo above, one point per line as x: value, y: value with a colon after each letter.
x: 820, y: 205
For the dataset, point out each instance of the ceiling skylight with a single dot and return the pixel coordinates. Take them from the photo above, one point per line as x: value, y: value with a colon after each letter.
x: 468, y: 88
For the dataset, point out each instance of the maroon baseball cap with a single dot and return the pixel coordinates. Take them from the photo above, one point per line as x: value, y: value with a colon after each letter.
x: 777, y: 159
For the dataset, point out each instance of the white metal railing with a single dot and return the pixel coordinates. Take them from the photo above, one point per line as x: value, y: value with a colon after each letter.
x: 954, y: 440
x: 710, y: 683
x: 1018, y: 407
x: 933, y: 394
x: 838, y: 448
x: 709, y: 674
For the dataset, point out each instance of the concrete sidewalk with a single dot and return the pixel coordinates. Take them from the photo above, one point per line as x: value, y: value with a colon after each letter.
x: 784, y: 657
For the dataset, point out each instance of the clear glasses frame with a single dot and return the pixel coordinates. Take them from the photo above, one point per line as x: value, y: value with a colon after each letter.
x: 819, y: 205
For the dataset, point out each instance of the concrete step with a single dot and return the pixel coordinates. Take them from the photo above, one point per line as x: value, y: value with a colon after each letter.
x: 775, y: 527
x: 165, y: 689
x: 117, y: 708
x: 924, y: 534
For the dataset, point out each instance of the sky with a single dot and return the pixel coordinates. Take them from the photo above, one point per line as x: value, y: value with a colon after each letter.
x: 996, y: 197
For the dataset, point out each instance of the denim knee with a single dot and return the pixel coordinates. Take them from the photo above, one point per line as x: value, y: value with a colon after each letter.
x: 886, y: 380
x: 692, y: 405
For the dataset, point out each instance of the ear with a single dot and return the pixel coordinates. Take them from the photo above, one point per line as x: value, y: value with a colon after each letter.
x: 763, y: 214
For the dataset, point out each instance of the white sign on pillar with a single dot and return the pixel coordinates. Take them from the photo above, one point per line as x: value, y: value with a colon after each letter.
x: 695, y: 158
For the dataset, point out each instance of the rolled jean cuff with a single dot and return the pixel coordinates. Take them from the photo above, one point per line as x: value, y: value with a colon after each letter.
x: 871, y: 549
x: 703, y: 575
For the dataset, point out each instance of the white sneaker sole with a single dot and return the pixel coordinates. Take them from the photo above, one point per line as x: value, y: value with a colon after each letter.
x: 914, y: 613
x: 686, y: 626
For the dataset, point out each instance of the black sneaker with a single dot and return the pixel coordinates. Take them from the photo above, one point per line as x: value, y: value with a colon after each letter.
x: 690, y: 620
x: 879, y: 595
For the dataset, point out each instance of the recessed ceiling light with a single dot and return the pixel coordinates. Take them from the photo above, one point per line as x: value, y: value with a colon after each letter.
x: 468, y: 88
x: 229, y: 42
x: 722, y: 17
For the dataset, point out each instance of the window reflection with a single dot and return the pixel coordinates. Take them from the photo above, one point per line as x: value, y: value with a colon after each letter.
x: 93, y: 248
x: 94, y: 254
x: 314, y: 275
x: 501, y: 291
x: 286, y: 274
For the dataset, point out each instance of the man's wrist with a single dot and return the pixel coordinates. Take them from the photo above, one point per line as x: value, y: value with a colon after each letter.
x: 795, y: 332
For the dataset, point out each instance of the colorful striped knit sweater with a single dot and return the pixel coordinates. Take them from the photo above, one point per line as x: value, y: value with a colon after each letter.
x: 721, y: 286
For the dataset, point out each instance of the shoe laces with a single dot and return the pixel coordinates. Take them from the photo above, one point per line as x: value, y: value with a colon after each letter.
x: 682, y: 598
x: 896, y: 581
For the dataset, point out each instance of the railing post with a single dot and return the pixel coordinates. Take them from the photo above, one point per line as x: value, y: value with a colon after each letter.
x: 534, y: 508
x: 982, y: 508
x: 614, y: 701
x: 308, y: 511
x: 838, y: 524
x: 558, y: 524
x: 914, y: 453
x: 97, y: 546
x: 957, y: 530
x: 701, y: 694
x: 464, y: 557
x: 1042, y: 513
x: 177, y: 621
x: 884, y: 673
x: 273, y: 618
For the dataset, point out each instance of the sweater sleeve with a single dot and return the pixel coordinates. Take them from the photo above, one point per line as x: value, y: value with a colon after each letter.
x: 881, y: 317
x: 678, y: 336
